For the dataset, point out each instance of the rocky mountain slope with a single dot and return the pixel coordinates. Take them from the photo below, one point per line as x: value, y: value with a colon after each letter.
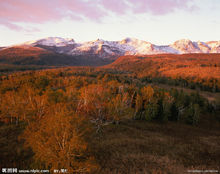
x: 60, y: 51
x: 128, y: 46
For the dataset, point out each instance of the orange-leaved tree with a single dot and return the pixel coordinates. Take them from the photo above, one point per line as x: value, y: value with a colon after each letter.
x: 58, y: 140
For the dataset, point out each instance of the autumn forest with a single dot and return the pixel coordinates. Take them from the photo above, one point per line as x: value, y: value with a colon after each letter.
x: 146, y: 114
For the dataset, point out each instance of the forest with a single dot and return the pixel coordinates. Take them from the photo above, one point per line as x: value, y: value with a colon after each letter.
x: 108, y: 120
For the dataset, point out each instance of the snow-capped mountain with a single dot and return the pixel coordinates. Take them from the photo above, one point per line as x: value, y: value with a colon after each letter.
x: 101, y: 48
x: 129, y: 46
x: 52, y: 41
x: 185, y: 46
x: 215, y: 46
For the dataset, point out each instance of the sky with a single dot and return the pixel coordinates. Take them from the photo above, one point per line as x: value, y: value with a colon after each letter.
x: 157, y: 21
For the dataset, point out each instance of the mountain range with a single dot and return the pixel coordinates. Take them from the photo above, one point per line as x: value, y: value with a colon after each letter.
x: 60, y: 51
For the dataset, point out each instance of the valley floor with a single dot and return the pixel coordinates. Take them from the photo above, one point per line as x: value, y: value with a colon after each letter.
x: 210, y: 96
x: 144, y: 147
x: 158, y: 130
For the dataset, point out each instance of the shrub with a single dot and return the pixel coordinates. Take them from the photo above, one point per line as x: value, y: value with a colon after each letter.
x: 192, y: 114
x: 151, y: 111
x: 58, y: 141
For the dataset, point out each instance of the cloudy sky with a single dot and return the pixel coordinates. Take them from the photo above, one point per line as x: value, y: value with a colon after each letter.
x: 156, y: 21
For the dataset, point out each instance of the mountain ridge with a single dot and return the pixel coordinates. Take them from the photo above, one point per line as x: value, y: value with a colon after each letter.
x: 127, y: 46
x: 60, y: 51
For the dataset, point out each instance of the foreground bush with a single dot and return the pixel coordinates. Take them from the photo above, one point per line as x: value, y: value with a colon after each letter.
x: 58, y: 141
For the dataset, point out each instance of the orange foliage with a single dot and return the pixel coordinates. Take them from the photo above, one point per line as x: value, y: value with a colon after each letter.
x: 58, y: 140
x: 199, y: 65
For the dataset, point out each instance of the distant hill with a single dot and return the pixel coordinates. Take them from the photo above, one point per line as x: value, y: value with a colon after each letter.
x: 171, y: 65
x: 56, y: 51
x: 105, y: 49
x: 29, y: 55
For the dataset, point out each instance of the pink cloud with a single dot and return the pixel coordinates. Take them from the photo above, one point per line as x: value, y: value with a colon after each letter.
x: 41, y: 11
x: 159, y: 7
x: 117, y: 6
x: 10, y: 25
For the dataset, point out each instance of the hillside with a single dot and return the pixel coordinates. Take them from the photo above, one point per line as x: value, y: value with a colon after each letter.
x: 110, y: 121
x: 195, y: 71
x: 133, y: 115
x: 23, y: 55
x: 28, y: 55
x: 105, y: 49
x: 56, y: 51
x: 171, y: 65
x: 142, y: 147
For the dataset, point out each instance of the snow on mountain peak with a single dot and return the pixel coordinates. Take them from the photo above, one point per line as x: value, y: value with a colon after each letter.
x: 186, y: 46
x: 183, y: 41
x: 99, y: 40
x: 52, y: 41
x: 127, y: 46
x: 127, y: 40
x: 133, y: 46
x: 213, y: 44
x: 130, y: 40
